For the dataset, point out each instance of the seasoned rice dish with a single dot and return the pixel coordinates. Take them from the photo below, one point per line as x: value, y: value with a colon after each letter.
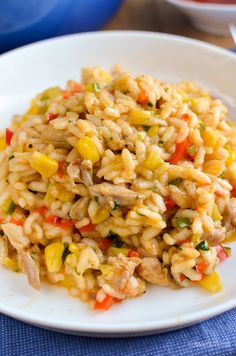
x: 116, y: 182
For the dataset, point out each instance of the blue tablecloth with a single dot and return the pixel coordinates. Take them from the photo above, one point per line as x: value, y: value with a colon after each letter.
x: 213, y: 337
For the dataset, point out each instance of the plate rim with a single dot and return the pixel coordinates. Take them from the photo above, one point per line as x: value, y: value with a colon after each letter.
x: 133, y: 328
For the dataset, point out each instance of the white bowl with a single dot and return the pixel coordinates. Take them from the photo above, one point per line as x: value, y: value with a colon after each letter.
x: 210, y: 18
x: 27, y: 71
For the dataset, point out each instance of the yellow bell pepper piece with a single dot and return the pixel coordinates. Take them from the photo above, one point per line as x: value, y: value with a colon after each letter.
x: 140, y: 117
x: 100, y: 216
x: 153, y: 160
x: 53, y: 256
x: 211, y: 283
x: 88, y: 149
x: 153, y: 131
x: 231, y: 158
x: 230, y: 238
x: 216, y: 214
x: 2, y: 143
x: 60, y: 192
x: 11, y: 264
x: 43, y: 164
x: 210, y: 138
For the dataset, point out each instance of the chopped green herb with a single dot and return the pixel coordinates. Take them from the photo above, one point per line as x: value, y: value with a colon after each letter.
x: 178, y: 247
x: 202, y: 127
x: 175, y: 181
x: 11, y: 208
x: 116, y: 205
x: 203, y: 245
x: 66, y: 252
x: 228, y: 250
x: 146, y: 128
x: 111, y: 138
x: 139, y: 137
x: 181, y: 222
x: 114, y: 237
x: 150, y: 104
x: 161, y: 142
x: 222, y: 175
x: 12, y: 156
x: 96, y: 87
x: 137, y: 212
x: 96, y: 199
x: 192, y: 150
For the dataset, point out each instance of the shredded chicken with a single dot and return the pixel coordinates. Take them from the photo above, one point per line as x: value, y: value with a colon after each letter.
x: 87, y: 259
x: 78, y: 210
x: 216, y: 236
x: 15, y: 235
x: 152, y: 271
x: 81, y: 171
x: 31, y: 269
x: 109, y: 195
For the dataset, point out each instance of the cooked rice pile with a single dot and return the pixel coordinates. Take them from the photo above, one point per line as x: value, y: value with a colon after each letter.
x: 116, y: 182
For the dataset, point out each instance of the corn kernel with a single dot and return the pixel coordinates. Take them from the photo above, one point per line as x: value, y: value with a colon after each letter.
x: 88, y: 87
x: 212, y: 283
x: 53, y: 256
x: 196, y: 238
x: 140, y: 117
x: 231, y: 158
x: 88, y: 149
x: 100, y: 216
x: 153, y: 131
x: 2, y: 143
x: 214, y: 167
x: 51, y: 93
x: 216, y: 214
x: 49, y: 197
x: 230, y: 238
x: 153, y: 160
x: 106, y: 269
x: 73, y: 248
x: 117, y: 250
x: 210, y: 138
x: 43, y: 164
x: 61, y: 193
x: 11, y: 264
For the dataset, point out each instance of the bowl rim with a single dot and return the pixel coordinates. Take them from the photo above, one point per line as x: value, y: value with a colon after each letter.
x: 191, y: 4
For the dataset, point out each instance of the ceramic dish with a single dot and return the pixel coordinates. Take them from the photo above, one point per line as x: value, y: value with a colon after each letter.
x: 52, y: 62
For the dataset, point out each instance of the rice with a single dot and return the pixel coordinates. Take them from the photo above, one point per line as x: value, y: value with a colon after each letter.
x: 117, y: 182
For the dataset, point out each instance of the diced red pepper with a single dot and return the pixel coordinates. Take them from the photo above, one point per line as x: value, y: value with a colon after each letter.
x: 9, y: 135
x: 182, y: 277
x: 132, y: 253
x: 183, y: 242
x: 87, y: 228
x: 1, y: 220
x: 185, y: 117
x: 62, y: 166
x: 221, y: 253
x: 51, y: 116
x: 169, y: 203
x: 105, y: 244
x: 53, y: 220
x: 143, y: 97
x: 233, y: 191
x: 117, y: 300
x: 66, y: 223
x: 201, y: 266
x: 105, y: 304
x: 16, y: 222
x: 41, y: 210
x: 180, y: 152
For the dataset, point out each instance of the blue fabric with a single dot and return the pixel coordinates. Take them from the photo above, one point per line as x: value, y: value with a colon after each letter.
x: 213, y: 337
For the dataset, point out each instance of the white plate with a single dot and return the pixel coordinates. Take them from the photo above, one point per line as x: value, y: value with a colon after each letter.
x: 26, y: 71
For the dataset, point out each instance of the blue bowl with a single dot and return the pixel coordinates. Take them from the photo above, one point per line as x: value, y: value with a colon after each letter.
x: 26, y: 21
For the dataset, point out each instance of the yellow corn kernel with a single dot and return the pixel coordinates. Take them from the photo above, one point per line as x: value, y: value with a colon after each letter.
x: 212, y: 283
x: 61, y: 193
x: 88, y: 149
x: 216, y: 214
x: 100, y: 216
x: 51, y: 93
x: 103, y: 75
x: 73, y: 248
x: 153, y: 131
x: 230, y: 238
x: 67, y: 282
x: 196, y: 238
x: 140, y: 117
x: 53, y: 256
x: 88, y: 87
x: 210, y: 138
x: 49, y: 197
x: 117, y: 250
x: 231, y: 158
x: 2, y: 143
x: 153, y: 160
x: 106, y: 269
x: 214, y: 167
x: 43, y: 164
x: 10, y: 264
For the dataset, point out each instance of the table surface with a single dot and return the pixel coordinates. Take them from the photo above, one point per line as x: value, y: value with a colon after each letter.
x: 160, y: 16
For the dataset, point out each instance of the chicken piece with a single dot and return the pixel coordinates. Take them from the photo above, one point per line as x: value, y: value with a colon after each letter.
x: 79, y: 209
x: 216, y: 236
x: 123, y: 283
x: 81, y: 171
x: 31, y: 269
x: 152, y: 271
x: 109, y: 195
x: 15, y: 235
x: 87, y: 259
